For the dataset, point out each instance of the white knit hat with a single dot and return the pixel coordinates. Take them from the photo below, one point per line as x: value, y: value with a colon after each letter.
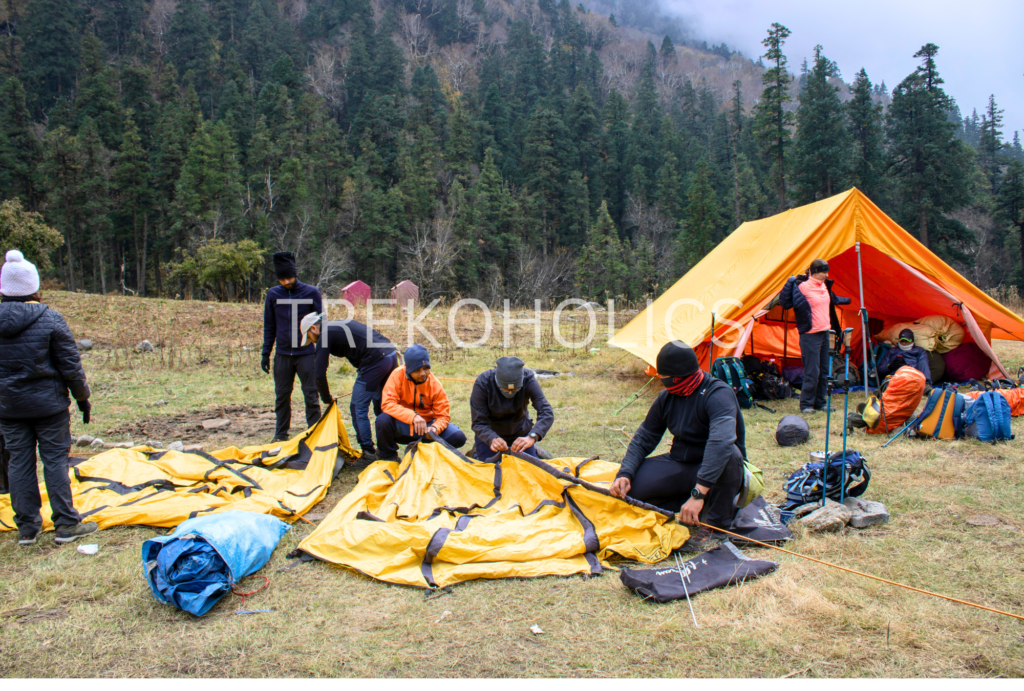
x: 18, y: 277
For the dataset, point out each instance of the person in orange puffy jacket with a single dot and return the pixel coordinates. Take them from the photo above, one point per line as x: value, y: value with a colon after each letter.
x: 414, y: 403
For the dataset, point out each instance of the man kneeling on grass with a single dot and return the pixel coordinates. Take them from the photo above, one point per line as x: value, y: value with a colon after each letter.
x: 498, y: 407
x: 414, y: 404
x: 704, y: 467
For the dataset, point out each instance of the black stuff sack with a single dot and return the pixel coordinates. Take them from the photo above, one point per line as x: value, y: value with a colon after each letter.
x: 759, y: 521
x: 792, y: 430
x: 722, y: 566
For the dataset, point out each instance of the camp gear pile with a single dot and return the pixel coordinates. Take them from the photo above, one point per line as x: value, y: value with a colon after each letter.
x: 899, y: 401
x: 942, y: 416
x: 438, y: 518
x: 805, y: 485
x: 195, y: 566
x: 1015, y: 397
x: 722, y: 566
x: 145, y: 486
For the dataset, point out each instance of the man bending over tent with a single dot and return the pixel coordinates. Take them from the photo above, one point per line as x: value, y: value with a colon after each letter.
x: 498, y: 407
x: 414, y: 403
x: 374, y: 358
x: 704, y: 467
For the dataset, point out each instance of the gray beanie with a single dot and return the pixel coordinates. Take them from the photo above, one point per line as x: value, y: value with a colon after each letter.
x: 509, y: 370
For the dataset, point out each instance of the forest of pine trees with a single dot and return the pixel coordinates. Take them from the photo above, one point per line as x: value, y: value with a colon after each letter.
x: 511, y: 149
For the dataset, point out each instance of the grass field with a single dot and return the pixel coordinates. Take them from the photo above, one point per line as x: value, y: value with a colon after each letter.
x: 66, y: 614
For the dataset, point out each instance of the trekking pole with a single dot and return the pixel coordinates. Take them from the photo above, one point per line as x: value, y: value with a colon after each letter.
x: 711, y: 356
x: 828, y: 415
x: 901, y: 431
x: 846, y: 409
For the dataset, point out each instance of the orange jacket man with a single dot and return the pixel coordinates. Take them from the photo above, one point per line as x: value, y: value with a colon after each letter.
x: 413, y: 403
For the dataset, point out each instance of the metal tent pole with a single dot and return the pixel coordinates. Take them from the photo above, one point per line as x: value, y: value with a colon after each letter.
x: 863, y: 320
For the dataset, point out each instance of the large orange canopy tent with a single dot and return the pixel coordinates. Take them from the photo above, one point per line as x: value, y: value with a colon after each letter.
x: 902, y: 281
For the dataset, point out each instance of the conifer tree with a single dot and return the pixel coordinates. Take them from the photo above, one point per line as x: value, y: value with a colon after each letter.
x: 865, y: 121
x: 131, y: 181
x: 929, y: 164
x: 771, y: 118
x: 20, y: 152
x: 52, y: 34
x: 702, y: 222
x: 822, y: 152
x: 95, y: 188
x: 602, y: 271
x: 1010, y: 207
x: 97, y: 98
x: 990, y: 143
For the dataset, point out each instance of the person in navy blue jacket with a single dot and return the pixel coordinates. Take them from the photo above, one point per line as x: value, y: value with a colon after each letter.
x: 906, y: 354
x: 283, y: 311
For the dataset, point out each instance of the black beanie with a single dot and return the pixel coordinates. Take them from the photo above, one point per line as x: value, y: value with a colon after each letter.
x: 284, y: 265
x: 676, y: 359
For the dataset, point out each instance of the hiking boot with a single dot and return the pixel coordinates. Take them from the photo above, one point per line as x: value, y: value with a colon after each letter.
x: 65, y: 535
x: 27, y: 539
x: 808, y: 411
x: 700, y: 541
x: 389, y: 459
x: 363, y: 461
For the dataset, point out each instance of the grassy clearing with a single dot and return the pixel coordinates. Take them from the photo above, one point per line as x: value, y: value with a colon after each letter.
x: 94, y: 616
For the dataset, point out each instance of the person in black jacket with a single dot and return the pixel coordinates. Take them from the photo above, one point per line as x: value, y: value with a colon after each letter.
x: 813, y: 303
x: 39, y: 363
x: 704, y: 467
x: 374, y: 358
x: 498, y: 407
x: 283, y: 311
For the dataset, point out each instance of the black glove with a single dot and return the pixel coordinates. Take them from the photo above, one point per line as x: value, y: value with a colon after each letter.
x: 265, y: 364
x: 86, y: 409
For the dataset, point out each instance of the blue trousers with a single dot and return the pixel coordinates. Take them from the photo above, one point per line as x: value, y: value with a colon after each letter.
x: 482, y: 451
x: 392, y: 432
x: 367, y: 389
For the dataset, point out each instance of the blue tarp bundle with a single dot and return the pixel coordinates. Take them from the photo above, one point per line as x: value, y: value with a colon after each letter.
x: 194, y: 567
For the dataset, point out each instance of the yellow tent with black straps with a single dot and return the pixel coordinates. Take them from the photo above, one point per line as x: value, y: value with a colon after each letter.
x: 439, y: 518
x: 146, y: 486
x: 903, y: 281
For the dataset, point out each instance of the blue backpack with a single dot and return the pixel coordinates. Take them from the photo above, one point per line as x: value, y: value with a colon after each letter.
x: 805, y: 486
x: 730, y: 370
x: 990, y: 416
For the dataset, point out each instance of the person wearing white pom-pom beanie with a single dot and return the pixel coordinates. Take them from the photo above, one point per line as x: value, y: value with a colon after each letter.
x: 39, y: 365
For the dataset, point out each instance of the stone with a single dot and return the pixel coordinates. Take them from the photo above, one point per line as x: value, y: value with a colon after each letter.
x: 983, y: 521
x: 84, y: 345
x: 159, y: 403
x: 805, y: 509
x: 828, y: 519
x: 217, y: 423
x: 193, y: 448
x: 866, y: 513
x: 144, y: 347
x: 96, y: 444
x: 522, y: 315
x: 175, y: 446
x: 84, y: 440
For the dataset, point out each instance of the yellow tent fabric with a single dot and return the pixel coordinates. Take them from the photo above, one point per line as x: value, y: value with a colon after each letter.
x: 146, y: 486
x: 749, y: 268
x: 437, y: 518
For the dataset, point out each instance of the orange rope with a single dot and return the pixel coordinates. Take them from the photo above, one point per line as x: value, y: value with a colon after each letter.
x: 243, y: 595
x: 465, y: 381
x: 867, y: 575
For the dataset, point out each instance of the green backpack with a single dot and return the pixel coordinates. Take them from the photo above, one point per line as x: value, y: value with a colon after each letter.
x: 730, y: 370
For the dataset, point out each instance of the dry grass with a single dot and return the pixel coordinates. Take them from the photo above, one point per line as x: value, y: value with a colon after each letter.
x: 804, y: 619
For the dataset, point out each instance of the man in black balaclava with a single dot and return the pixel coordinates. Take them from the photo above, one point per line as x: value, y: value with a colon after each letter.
x: 283, y: 311
x: 703, y: 472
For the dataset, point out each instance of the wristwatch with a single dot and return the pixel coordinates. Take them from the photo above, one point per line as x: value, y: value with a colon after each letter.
x: 534, y: 435
x: 695, y: 493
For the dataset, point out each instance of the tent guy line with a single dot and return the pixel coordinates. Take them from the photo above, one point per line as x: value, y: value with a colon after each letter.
x: 668, y: 514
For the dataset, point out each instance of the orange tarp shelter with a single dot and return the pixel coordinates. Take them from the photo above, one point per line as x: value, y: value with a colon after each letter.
x: 737, y: 281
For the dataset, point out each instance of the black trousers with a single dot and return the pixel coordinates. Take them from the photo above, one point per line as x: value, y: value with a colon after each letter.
x: 52, y: 436
x: 285, y: 369
x: 667, y: 483
x: 814, y: 352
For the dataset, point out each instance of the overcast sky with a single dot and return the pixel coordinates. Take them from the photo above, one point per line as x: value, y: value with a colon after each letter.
x: 981, y: 42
